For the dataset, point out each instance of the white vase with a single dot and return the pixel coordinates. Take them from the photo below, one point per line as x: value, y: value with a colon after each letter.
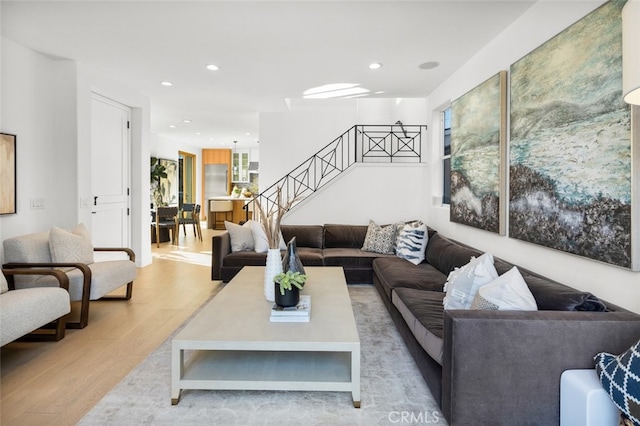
x: 273, y: 268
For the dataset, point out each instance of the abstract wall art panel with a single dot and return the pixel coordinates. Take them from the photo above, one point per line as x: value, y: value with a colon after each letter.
x: 478, y: 156
x: 570, y: 145
x: 169, y: 185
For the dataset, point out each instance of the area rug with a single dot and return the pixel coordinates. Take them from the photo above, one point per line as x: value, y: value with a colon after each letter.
x: 392, y: 389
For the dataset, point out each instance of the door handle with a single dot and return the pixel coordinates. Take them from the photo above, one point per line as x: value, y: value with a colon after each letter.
x: 95, y: 201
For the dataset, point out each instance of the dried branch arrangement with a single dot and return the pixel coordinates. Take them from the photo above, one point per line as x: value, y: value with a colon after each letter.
x: 271, y: 218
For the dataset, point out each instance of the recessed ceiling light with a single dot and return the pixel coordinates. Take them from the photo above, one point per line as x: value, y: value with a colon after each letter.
x: 166, y: 83
x: 379, y: 92
x: 336, y: 90
x: 429, y: 65
x: 186, y: 120
x: 212, y: 67
x: 172, y: 126
x: 198, y: 133
x: 375, y: 66
x: 248, y: 134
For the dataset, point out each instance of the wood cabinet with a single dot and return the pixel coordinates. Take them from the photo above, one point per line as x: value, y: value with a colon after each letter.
x: 214, y: 156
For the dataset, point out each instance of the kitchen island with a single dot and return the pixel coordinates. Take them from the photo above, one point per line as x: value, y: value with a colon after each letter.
x: 238, y: 215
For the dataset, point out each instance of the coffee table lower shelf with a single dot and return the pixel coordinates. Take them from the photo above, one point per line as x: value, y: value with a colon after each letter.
x: 267, y: 370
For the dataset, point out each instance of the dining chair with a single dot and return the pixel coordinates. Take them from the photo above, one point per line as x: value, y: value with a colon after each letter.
x: 166, y: 218
x: 190, y: 215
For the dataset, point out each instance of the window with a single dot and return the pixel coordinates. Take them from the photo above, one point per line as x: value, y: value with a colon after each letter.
x: 446, y: 156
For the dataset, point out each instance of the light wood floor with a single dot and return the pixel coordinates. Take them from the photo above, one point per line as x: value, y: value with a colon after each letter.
x: 56, y: 383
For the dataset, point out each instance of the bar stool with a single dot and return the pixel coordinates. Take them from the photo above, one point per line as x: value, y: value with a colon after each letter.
x: 216, y: 207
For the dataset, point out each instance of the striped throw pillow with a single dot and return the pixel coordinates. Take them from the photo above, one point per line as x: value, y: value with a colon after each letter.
x: 412, y: 241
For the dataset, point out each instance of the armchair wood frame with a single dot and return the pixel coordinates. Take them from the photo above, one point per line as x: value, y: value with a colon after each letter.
x: 58, y: 325
x: 86, y: 282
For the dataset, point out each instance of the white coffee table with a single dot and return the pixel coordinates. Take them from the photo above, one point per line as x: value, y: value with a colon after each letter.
x: 237, y: 347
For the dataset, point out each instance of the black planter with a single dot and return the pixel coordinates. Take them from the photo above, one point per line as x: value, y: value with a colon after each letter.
x: 290, y: 298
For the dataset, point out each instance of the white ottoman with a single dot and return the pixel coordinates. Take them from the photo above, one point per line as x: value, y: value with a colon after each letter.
x: 584, y: 402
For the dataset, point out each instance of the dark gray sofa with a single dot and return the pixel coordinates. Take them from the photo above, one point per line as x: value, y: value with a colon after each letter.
x: 328, y: 245
x: 497, y: 367
x: 482, y: 367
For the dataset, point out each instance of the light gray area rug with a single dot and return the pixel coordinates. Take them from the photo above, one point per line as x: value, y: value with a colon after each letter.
x: 392, y: 389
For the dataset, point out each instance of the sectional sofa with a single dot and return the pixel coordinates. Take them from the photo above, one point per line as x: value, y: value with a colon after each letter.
x: 482, y: 366
x: 318, y: 245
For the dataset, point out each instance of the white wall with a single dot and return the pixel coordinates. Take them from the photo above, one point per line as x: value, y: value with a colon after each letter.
x: 383, y: 193
x: 28, y: 95
x: 162, y: 147
x: 47, y: 103
x: 617, y: 285
x: 287, y: 139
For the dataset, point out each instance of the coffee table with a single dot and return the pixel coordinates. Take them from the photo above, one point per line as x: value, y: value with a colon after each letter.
x: 237, y: 347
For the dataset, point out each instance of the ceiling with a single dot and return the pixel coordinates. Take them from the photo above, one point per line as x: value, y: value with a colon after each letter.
x: 268, y: 52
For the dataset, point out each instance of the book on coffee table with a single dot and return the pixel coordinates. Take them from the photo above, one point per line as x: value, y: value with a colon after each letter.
x: 299, y: 313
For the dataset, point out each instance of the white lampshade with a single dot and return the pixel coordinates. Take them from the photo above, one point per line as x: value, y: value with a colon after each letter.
x: 631, y: 52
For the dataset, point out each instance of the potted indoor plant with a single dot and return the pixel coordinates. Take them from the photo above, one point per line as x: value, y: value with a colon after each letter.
x: 287, y: 288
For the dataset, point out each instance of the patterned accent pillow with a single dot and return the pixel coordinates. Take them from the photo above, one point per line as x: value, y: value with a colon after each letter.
x: 71, y: 246
x: 481, y: 304
x: 379, y: 239
x: 620, y: 377
x: 412, y: 241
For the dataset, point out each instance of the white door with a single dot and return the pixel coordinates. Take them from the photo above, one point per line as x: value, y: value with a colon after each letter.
x: 110, y: 173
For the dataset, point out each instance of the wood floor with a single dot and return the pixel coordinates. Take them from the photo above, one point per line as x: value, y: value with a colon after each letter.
x: 56, y: 383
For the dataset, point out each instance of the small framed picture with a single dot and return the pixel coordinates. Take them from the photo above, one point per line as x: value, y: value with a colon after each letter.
x: 7, y: 173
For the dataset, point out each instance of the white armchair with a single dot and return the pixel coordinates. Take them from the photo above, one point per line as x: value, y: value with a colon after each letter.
x: 24, y: 311
x: 71, y: 252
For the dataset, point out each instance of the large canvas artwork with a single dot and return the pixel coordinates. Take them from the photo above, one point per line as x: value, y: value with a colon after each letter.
x: 169, y: 185
x: 478, y: 156
x: 570, y: 149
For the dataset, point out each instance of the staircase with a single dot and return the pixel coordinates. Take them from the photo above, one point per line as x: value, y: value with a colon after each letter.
x: 396, y: 143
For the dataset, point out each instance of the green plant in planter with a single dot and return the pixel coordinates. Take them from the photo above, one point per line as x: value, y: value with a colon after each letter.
x: 289, y: 279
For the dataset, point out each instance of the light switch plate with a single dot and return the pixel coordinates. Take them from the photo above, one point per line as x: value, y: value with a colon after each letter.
x: 37, y: 203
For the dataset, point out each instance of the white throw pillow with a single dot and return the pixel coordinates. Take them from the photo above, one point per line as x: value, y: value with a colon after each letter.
x: 412, y: 241
x: 71, y: 246
x: 508, y: 292
x: 260, y: 242
x: 463, y: 283
x: 241, y: 236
